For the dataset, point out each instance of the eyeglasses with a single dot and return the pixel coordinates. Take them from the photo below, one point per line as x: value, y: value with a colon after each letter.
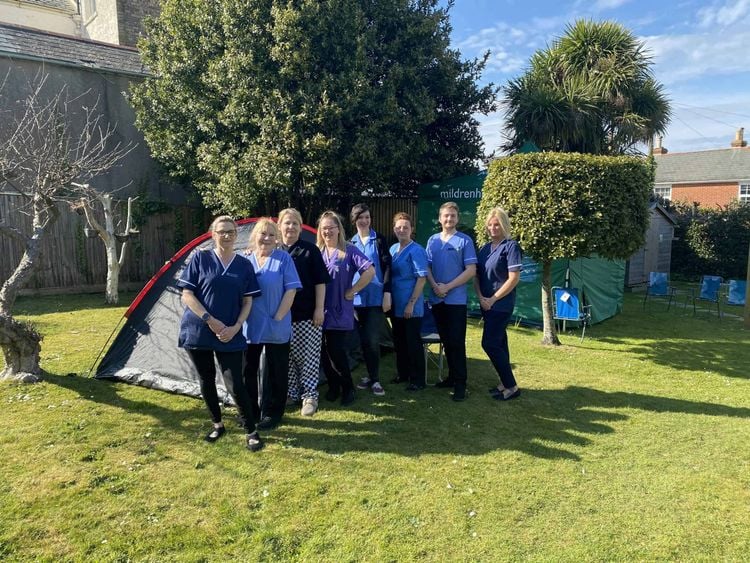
x: 226, y: 233
x: 329, y: 229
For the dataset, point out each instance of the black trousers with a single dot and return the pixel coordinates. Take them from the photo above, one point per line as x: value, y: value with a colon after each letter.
x: 370, y: 323
x: 231, y: 372
x: 451, y: 325
x: 407, y: 339
x: 335, y: 360
x: 277, y: 363
x: 495, y: 344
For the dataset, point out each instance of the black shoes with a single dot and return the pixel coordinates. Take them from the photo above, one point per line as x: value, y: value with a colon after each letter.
x: 459, y: 393
x: 514, y: 395
x: 398, y: 379
x: 415, y: 386
x: 332, y: 394
x: 348, y: 397
x: 254, y: 443
x: 215, y: 434
x: 268, y: 423
x: 445, y: 384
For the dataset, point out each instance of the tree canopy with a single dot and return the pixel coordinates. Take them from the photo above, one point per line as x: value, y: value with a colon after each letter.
x: 277, y: 102
x: 591, y: 91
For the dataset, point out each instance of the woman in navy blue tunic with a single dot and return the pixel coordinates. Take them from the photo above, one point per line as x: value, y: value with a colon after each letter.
x: 498, y: 273
x: 218, y: 286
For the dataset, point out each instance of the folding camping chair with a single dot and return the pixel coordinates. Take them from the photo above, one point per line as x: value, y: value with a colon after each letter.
x: 736, y: 292
x: 658, y: 286
x: 709, y: 291
x: 567, y: 307
x: 431, y: 337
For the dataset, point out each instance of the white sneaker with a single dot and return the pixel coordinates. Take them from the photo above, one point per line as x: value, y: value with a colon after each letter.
x: 377, y: 389
x: 364, y: 383
x: 309, y: 406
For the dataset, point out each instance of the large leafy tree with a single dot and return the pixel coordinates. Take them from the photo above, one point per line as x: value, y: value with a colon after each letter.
x: 264, y: 103
x: 591, y: 91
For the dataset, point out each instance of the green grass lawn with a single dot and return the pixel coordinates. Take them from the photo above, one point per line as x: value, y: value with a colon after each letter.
x: 634, y: 445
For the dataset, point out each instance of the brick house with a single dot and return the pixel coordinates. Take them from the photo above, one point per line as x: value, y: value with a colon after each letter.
x: 710, y: 178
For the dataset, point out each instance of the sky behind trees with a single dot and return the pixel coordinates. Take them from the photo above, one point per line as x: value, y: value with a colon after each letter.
x: 699, y: 48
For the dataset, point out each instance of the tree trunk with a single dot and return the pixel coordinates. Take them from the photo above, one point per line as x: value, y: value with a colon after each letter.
x: 21, y: 347
x: 549, y: 332
x: 112, y: 296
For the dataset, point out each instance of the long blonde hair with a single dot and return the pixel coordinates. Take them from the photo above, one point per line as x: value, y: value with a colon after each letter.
x: 341, y: 242
x: 503, y: 219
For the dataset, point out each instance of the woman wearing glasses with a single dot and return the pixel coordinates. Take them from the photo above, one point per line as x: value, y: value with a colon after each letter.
x: 342, y: 261
x: 218, y: 287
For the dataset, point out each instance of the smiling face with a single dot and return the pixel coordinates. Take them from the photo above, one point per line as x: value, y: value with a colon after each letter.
x: 495, y: 229
x: 402, y: 230
x: 329, y: 230
x: 223, y: 235
x: 264, y: 237
x: 363, y: 222
x: 448, y: 219
x: 290, y: 229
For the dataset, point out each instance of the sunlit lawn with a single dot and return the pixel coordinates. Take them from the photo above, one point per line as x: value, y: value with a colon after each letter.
x: 634, y: 444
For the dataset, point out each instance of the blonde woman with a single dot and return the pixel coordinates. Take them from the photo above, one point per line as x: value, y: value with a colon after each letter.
x: 498, y: 274
x: 307, y: 312
x: 269, y: 326
x: 342, y: 261
x: 218, y: 287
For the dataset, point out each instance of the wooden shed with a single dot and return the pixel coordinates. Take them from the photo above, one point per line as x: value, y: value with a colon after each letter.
x: 656, y: 254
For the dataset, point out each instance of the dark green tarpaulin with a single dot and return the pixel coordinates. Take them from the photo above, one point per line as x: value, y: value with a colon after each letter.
x: 602, y: 281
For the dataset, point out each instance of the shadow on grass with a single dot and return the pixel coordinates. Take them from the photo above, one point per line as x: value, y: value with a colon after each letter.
x: 542, y: 423
x: 181, y: 421
x: 49, y: 304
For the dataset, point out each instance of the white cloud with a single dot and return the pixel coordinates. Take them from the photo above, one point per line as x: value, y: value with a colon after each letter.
x: 609, y: 4
x: 729, y: 13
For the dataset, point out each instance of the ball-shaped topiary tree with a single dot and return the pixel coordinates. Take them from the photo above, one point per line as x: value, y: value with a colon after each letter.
x: 569, y: 205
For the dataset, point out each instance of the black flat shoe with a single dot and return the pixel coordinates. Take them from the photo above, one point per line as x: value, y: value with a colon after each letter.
x: 445, y: 384
x: 215, y: 434
x: 495, y: 391
x: 348, y: 398
x: 254, y: 443
x: 415, y: 387
x: 459, y: 394
x: 268, y: 423
x: 398, y: 380
x: 514, y: 395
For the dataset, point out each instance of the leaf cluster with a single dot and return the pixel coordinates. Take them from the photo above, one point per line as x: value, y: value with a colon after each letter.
x: 302, y: 100
x: 592, y: 90
x: 567, y: 205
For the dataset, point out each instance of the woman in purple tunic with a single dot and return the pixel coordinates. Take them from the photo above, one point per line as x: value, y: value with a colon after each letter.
x: 342, y: 261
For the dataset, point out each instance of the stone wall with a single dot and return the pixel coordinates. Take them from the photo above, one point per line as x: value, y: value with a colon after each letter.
x: 130, y: 16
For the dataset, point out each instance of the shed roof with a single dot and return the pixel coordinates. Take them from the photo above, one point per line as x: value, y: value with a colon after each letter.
x: 24, y: 42
x: 720, y: 165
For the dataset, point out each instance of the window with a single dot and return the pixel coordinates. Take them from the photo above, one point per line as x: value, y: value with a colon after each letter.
x: 664, y: 191
x: 744, y: 196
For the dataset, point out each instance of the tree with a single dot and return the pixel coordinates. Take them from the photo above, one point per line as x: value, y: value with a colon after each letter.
x: 42, y: 153
x: 590, y: 91
x: 569, y: 206
x: 262, y: 103
x: 107, y: 233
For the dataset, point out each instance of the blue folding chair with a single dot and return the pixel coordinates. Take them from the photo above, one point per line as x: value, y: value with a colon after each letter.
x: 658, y: 286
x: 709, y: 291
x: 737, y: 292
x: 431, y: 337
x: 567, y: 307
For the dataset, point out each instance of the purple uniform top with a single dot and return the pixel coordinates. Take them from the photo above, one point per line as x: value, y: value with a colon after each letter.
x: 339, y: 311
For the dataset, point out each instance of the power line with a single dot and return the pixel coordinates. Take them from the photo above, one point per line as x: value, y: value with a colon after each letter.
x: 710, y: 109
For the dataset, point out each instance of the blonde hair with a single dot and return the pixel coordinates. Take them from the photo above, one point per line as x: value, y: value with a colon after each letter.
x: 449, y: 205
x: 262, y: 223
x: 503, y: 219
x: 341, y: 242
x: 222, y: 219
x: 402, y: 215
x: 290, y: 211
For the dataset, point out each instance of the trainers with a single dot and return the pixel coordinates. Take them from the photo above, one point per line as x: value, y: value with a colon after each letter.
x: 254, y: 443
x: 377, y: 389
x: 365, y: 383
x: 309, y: 406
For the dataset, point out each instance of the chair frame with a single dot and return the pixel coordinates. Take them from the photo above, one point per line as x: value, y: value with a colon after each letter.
x: 738, y: 283
x: 670, y: 293
x: 584, y: 311
x: 700, y: 297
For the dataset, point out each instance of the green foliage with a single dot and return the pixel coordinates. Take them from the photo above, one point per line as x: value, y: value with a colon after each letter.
x: 711, y: 241
x: 590, y: 91
x: 277, y: 103
x: 565, y: 205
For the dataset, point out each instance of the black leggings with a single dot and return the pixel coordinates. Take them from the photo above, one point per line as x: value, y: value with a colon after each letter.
x: 335, y: 359
x: 231, y: 372
x: 277, y: 363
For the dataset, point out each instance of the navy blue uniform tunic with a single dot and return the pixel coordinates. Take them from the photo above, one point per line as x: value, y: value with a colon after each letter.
x: 492, y: 271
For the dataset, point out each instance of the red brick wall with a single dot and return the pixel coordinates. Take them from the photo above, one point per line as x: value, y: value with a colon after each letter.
x: 707, y: 195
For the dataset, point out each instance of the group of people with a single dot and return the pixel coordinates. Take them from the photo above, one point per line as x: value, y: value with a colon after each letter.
x: 300, y: 303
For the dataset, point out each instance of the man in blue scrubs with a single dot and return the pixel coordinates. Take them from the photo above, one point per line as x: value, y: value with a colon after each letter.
x: 452, y: 263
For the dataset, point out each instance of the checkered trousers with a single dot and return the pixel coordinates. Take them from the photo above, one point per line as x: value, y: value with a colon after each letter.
x: 304, y: 360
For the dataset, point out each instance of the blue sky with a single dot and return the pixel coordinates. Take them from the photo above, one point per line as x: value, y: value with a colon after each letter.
x: 700, y: 49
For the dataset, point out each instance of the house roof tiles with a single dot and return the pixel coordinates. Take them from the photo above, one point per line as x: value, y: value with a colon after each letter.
x: 64, y: 49
x: 721, y: 165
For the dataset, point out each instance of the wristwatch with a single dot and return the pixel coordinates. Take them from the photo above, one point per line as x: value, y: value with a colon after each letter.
x: 205, y: 316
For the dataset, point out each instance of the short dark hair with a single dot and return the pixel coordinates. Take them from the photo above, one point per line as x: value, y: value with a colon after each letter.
x: 357, y: 210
